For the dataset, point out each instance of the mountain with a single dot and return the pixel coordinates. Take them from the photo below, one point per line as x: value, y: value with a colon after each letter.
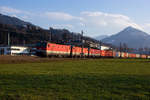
x: 4, y: 19
x: 132, y: 37
x: 101, y: 37
x: 22, y: 32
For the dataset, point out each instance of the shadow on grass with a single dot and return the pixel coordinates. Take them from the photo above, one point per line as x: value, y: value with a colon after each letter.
x: 74, y: 87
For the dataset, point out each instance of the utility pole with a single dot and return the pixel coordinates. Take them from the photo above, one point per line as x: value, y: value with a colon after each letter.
x: 24, y: 42
x: 120, y: 49
x: 8, y: 39
x: 50, y: 37
x: 100, y: 42
x: 82, y: 43
x: 71, y: 46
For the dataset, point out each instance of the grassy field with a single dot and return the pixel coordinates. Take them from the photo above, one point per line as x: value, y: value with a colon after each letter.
x: 31, y: 78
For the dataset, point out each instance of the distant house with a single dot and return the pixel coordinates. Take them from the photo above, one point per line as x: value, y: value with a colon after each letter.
x: 14, y: 50
x: 91, y: 43
x: 103, y: 47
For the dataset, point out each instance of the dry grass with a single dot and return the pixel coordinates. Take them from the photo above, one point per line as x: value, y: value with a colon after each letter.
x: 32, y: 59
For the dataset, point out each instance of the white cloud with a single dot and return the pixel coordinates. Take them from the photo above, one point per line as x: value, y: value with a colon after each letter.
x: 14, y: 15
x: 100, y: 19
x: 61, y: 16
x: 63, y: 26
x: 8, y: 10
x: 146, y: 27
x: 24, y: 15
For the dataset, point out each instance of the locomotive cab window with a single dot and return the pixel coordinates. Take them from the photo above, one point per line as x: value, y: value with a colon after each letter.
x: 48, y: 45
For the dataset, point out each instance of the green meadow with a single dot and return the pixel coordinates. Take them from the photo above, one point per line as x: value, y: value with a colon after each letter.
x: 76, y: 79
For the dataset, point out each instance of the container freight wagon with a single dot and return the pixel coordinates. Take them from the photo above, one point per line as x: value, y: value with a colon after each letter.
x: 143, y: 56
x: 132, y: 55
x: 114, y: 54
x: 117, y: 55
x: 137, y: 55
x: 124, y: 55
x: 148, y: 56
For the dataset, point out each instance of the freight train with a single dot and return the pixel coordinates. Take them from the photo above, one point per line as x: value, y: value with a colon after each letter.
x: 47, y: 49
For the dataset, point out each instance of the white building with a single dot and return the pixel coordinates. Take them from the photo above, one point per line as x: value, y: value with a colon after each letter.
x: 105, y: 47
x: 14, y: 50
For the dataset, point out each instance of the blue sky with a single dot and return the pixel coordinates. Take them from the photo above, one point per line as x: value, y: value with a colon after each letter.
x: 95, y: 17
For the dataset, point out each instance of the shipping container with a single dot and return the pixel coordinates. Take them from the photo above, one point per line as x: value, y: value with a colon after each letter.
x: 137, y: 55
